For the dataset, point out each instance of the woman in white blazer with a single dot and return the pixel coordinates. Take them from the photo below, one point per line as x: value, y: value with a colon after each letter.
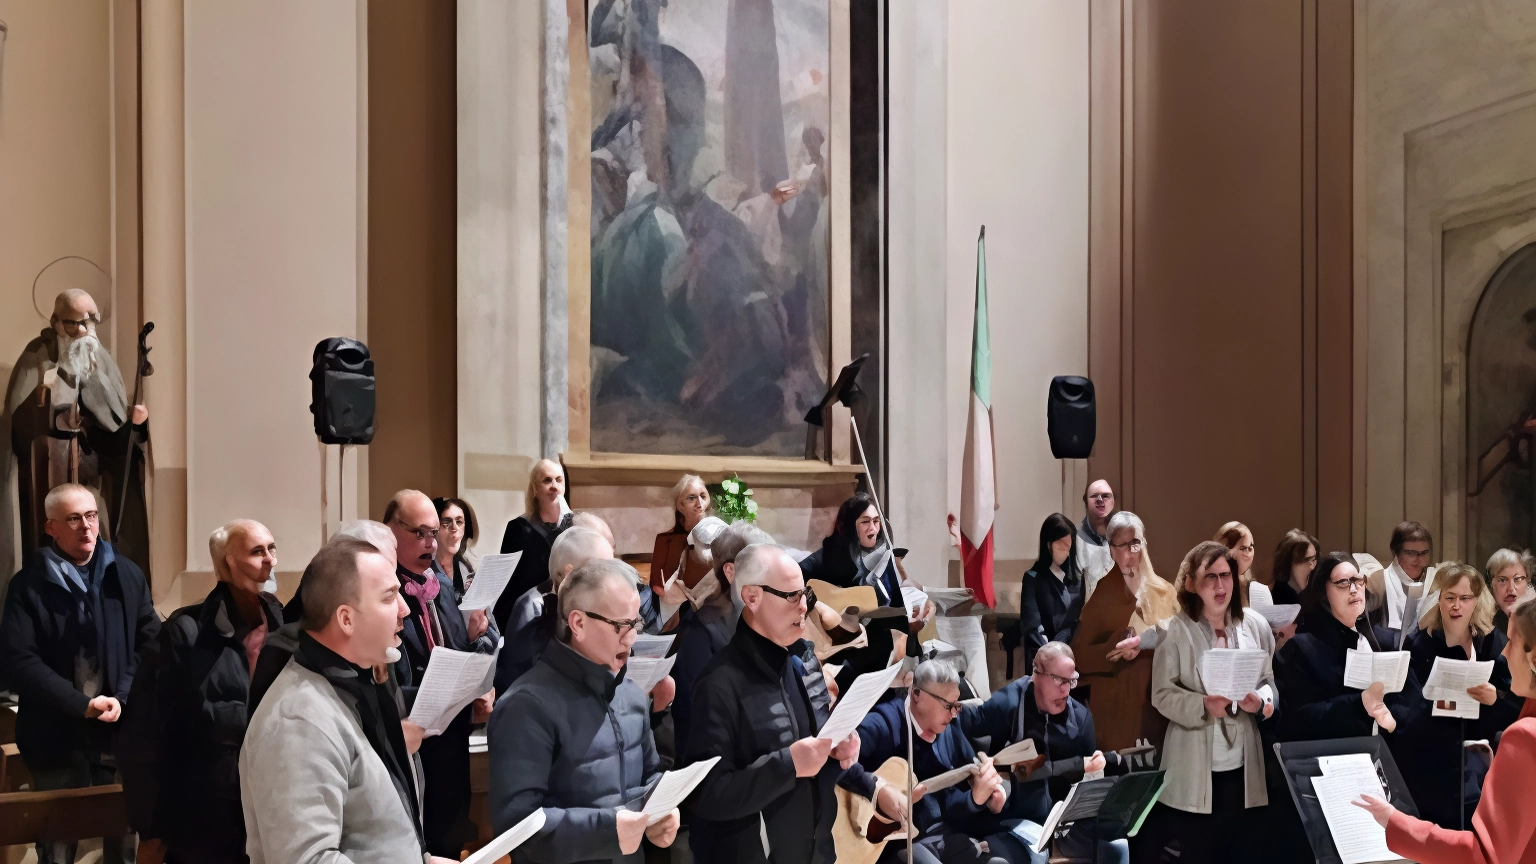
x: 1214, y: 796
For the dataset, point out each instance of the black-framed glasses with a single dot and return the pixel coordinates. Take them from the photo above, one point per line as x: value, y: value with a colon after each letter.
x: 1134, y: 546
x: 1068, y: 683
x: 619, y: 627
x: 75, y: 520
x: 793, y: 596
x: 1353, y: 583
x: 82, y: 324
x: 1415, y: 553
x: 951, y: 707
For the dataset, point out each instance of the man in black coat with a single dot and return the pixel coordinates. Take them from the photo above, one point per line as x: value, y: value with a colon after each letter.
x: 435, y: 620
x: 75, y: 621
x: 771, y: 797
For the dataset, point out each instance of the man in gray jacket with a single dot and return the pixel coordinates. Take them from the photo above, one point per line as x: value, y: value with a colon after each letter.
x: 325, y: 773
x: 573, y: 736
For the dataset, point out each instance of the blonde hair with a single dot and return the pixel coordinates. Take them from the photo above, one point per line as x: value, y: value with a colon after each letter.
x: 531, y: 500
x: 218, y: 544
x: 683, y: 485
x: 1446, y: 577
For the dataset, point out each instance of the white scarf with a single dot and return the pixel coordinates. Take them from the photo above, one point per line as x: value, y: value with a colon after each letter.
x: 1398, y: 586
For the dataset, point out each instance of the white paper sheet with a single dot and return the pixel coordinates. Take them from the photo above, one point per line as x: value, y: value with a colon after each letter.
x: 914, y: 599
x: 1232, y: 672
x: 491, y: 579
x: 1262, y: 601
x: 964, y: 632
x: 453, y: 679
x: 1019, y: 751
x: 851, y: 707
x: 1356, y: 836
x: 948, y: 598
x: 651, y: 646
x: 1364, y: 668
x: 514, y: 837
x: 1451, y: 679
x: 1053, y: 821
x: 647, y: 672
x: 670, y: 609
x: 1346, y: 763
x: 674, y: 787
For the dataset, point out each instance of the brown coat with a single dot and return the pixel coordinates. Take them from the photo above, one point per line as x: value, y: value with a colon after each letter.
x: 670, y: 548
x: 1120, y: 698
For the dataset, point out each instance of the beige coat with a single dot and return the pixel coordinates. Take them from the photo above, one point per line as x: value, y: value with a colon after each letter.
x: 1179, y: 694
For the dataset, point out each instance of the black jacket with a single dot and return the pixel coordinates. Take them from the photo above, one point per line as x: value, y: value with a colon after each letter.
x: 179, y: 744
x: 1066, y: 740
x: 533, y: 540
x: 743, y: 713
x: 1049, y: 608
x: 445, y: 757
x: 1434, y: 774
x: 39, y: 642
x: 1314, y: 701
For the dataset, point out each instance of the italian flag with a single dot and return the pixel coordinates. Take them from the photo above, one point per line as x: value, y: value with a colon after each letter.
x: 978, y: 485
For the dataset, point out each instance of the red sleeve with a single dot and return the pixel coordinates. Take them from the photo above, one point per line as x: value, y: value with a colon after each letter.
x: 1504, y: 827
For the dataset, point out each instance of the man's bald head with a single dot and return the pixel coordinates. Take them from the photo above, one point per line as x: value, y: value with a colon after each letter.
x: 72, y: 309
x: 413, y: 519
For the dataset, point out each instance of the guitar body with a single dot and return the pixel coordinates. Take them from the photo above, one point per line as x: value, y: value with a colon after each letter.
x: 856, y: 834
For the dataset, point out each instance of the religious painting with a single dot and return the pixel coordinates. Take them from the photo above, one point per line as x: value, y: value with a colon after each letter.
x: 709, y: 224
x: 1501, y: 398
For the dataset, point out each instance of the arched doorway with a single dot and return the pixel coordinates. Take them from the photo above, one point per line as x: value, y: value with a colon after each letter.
x: 1501, y: 395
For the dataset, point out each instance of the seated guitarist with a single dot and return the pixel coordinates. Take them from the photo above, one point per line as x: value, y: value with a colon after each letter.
x: 953, y: 825
x: 1040, y: 707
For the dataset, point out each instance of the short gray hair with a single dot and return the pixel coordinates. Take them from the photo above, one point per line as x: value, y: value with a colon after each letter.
x: 933, y: 672
x: 586, y: 582
x: 1508, y: 558
x: 218, y: 543
x: 736, y: 537
x: 376, y: 534
x: 574, y: 547
x: 1054, y: 651
x: 752, y: 566
x: 1123, y: 520
x: 55, y: 497
x: 588, y: 519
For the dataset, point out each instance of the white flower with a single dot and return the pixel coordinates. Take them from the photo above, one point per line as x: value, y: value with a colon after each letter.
x: 752, y: 507
x: 728, y: 485
x: 748, y: 493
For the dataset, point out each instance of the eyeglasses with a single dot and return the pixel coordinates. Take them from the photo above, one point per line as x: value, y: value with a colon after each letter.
x: 619, y: 627
x: 1505, y: 581
x: 1134, y: 546
x: 70, y: 322
x: 1310, y: 561
x: 75, y: 520
x: 457, y: 522
x: 793, y: 596
x: 1101, y: 496
x: 1246, y: 550
x: 1458, y: 598
x: 1414, y: 553
x: 421, y: 534
x: 951, y: 707
x: 1216, y: 578
x: 1352, y: 584
x: 1067, y: 683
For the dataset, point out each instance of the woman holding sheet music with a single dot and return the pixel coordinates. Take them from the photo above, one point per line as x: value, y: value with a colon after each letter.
x: 1458, y: 627
x: 1504, y: 826
x: 1215, y: 792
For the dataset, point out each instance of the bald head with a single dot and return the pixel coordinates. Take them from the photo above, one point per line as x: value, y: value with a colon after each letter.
x: 73, y: 313
x: 413, y: 520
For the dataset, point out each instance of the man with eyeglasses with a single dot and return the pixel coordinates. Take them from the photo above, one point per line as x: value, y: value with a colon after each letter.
x: 75, y: 621
x: 1040, y: 707
x: 771, y: 798
x: 1411, y: 545
x: 951, y: 824
x: 435, y: 620
x: 573, y: 735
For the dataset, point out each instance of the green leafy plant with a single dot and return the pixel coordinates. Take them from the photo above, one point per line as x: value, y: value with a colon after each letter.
x: 733, y: 501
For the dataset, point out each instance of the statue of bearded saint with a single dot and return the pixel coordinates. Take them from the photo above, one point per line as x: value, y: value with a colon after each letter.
x: 68, y: 419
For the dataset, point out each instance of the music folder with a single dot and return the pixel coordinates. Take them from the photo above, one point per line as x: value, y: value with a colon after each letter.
x: 1299, y: 762
x: 1112, y: 807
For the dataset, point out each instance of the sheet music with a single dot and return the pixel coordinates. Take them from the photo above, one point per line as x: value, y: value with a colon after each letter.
x: 1364, y: 668
x: 1451, y: 679
x: 914, y: 599
x: 1053, y: 821
x: 949, y: 778
x: 1262, y: 601
x: 453, y: 679
x: 647, y: 672
x: 1346, y: 763
x: 853, y: 705
x: 490, y: 580
x: 674, y: 787
x: 1232, y: 672
x: 1019, y: 751
x: 1356, y: 836
x: 651, y: 646
x: 514, y: 837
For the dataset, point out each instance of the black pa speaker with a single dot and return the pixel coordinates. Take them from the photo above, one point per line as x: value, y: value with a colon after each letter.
x: 1070, y: 417
x: 341, y: 391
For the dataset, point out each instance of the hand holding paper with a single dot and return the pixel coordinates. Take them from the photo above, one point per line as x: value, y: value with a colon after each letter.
x: 1364, y: 668
x: 490, y: 580
x: 853, y: 705
x: 514, y: 837
x: 453, y: 680
x: 674, y: 787
x: 1232, y: 672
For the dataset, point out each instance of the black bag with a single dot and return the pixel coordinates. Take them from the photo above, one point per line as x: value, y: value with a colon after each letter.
x: 341, y: 392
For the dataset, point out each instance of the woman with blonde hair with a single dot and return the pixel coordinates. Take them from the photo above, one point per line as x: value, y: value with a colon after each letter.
x: 546, y: 515
x: 180, y: 760
x: 1116, y: 635
x: 690, y: 504
x: 1459, y: 626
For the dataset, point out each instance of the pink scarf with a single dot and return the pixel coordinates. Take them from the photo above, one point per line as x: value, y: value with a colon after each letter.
x: 425, y: 593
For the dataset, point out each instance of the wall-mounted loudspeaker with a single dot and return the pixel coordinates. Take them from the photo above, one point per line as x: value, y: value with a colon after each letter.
x: 341, y: 391
x: 1070, y: 417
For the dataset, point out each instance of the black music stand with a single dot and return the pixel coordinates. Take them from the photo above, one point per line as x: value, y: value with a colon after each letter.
x: 1298, y: 761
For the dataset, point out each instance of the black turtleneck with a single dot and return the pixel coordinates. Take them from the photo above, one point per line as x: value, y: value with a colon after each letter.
x: 790, y: 672
x: 376, y: 713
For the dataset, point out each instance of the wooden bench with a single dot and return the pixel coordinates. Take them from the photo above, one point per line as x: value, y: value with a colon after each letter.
x: 13, y: 772
x: 63, y: 815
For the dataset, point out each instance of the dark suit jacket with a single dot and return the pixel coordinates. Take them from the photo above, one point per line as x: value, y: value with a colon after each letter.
x: 1048, y: 611
x: 522, y: 535
x: 1314, y: 702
